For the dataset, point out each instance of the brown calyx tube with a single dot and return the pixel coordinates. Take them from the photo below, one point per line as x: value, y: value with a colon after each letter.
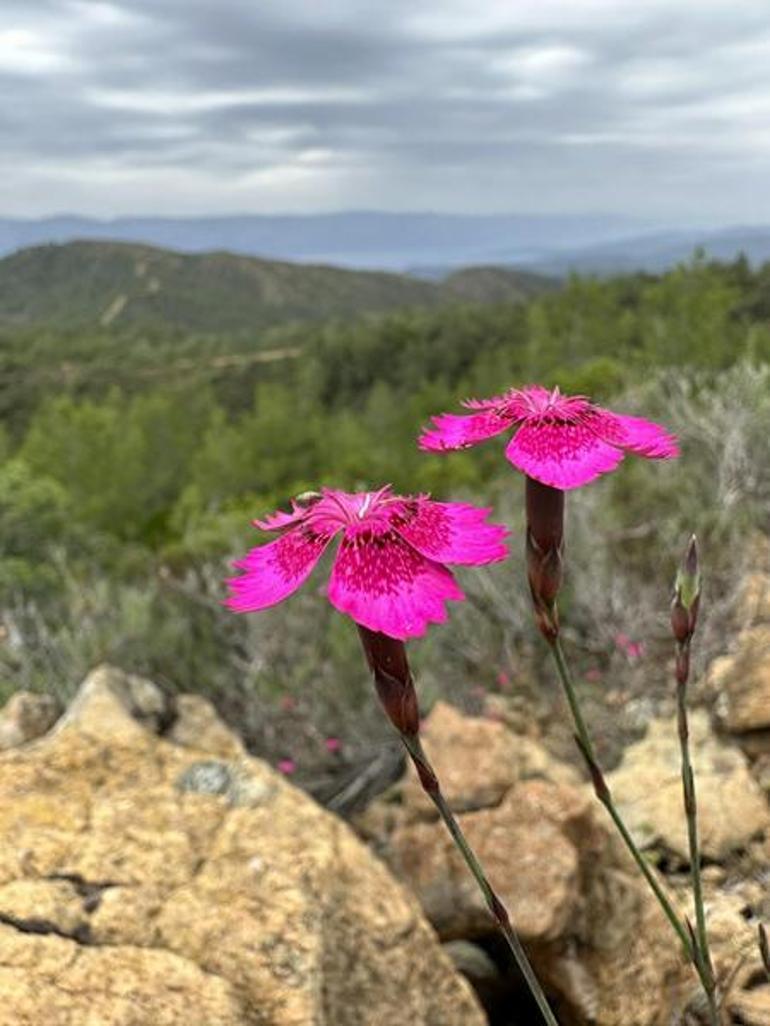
x: 545, y: 550
x: 393, y: 679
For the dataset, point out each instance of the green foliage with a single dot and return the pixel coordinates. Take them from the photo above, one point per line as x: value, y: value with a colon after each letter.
x: 35, y: 516
x: 133, y: 458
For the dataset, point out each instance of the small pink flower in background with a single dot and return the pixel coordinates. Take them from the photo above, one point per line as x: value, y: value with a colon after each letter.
x: 388, y: 574
x: 562, y: 441
x: 632, y: 649
x: 593, y: 675
x: 503, y: 680
x: 333, y: 744
x: 286, y: 766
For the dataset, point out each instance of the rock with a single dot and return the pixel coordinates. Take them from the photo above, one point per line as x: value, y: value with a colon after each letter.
x: 526, y: 846
x: 762, y: 773
x: 52, y: 980
x: 143, y: 883
x: 647, y: 788
x: 596, y: 935
x: 26, y: 716
x: 197, y: 725
x: 112, y: 702
x: 751, y: 1006
x: 493, y: 990
x: 732, y: 928
x: 479, y: 760
x: 473, y: 962
x: 754, y: 599
x: 742, y: 681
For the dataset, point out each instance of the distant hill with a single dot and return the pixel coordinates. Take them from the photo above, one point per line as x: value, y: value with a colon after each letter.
x: 123, y: 285
x: 659, y: 251
x: 358, y: 239
x: 495, y: 284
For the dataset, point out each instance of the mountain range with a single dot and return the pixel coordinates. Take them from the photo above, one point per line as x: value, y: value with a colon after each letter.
x: 372, y: 240
x: 424, y: 244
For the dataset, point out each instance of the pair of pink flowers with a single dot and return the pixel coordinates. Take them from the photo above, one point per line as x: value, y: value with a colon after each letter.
x: 389, y: 574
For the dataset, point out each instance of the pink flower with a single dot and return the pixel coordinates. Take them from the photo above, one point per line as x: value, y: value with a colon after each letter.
x: 333, y: 744
x: 633, y: 649
x: 388, y: 573
x: 286, y: 766
x: 562, y: 441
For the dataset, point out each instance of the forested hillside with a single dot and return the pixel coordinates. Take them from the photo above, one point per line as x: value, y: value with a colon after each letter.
x: 87, y: 285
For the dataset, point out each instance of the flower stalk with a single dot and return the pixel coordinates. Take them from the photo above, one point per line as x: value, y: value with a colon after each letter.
x: 395, y: 688
x: 684, y: 615
x: 545, y: 549
x: 604, y: 795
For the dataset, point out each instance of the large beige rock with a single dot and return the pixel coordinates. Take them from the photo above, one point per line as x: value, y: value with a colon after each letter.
x: 143, y: 883
x: 57, y: 982
x: 478, y: 760
x: 25, y: 716
x: 197, y: 725
x: 526, y: 846
x: 648, y: 790
x: 741, y: 679
x: 754, y: 599
x: 732, y: 929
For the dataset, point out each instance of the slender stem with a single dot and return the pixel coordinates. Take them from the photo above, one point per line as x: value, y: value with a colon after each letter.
x: 585, y: 744
x: 430, y: 785
x: 691, y: 809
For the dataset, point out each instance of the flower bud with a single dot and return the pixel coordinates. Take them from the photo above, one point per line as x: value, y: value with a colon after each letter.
x: 684, y: 607
x: 387, y: 660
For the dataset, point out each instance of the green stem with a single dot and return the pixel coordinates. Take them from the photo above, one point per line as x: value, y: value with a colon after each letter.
x: 691, y: 809
x: 430, y: 785
x: 605, y: 797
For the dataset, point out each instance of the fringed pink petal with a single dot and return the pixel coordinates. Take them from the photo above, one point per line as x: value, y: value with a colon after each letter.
x: 301, y: 507
x: 493, y: 402
x: 384, y: 584
x: 274, y: 571
x: 449, y: 532
x: 562, y: 455
x: 279, y: 520
x: 453, y: 432
x: 646, y: 438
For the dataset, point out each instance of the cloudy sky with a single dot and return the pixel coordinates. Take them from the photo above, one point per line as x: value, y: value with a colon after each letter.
x: 659, y: 108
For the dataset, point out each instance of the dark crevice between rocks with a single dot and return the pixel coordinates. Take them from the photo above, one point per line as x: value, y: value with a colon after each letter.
x: 758, y: 978
x: 44, y: 927
x: 89, y: 890
x: 506, y: 998
x: 168, y: 717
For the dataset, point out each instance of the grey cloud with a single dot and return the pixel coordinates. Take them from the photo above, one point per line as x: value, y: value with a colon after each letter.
x: 365, y: 104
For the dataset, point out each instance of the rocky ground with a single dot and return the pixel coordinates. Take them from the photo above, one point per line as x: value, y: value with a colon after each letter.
x: 147, y: 882
x: 151, y: 872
